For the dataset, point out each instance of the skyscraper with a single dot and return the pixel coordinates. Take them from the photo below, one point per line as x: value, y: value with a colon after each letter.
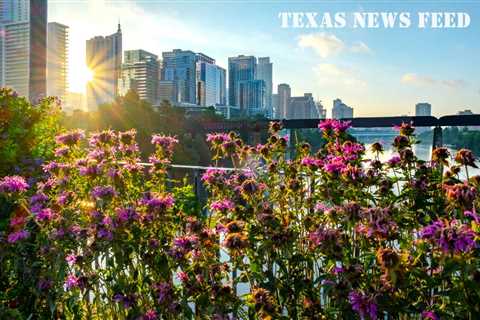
x: 57, y: 60
x: 244, y: 89
x: 251, y: 97
x: 210, y: 82
x: 104, y: 59
x: 140, y: 73
x: 179, y: 69
x: 264, y: 72
x: 340, y: 110
x: 284, y: 93
x: 23, y: 42
x: 302, y: 107
x: 423, y: 109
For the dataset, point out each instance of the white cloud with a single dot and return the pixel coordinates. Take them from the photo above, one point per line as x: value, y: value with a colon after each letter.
x: 332, y: 74
x: 324, y: 44
x: 424, y: 80
x: 360, y: 47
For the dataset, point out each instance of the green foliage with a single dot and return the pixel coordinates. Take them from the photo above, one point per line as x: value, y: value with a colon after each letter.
x: 130, y: 112
x: 458, y: 138
x: 27, y: 131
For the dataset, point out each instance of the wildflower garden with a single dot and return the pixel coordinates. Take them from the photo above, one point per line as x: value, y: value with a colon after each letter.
x: 92, y: 233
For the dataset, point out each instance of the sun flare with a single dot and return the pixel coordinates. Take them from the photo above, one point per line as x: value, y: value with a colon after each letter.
x: 80, y: 76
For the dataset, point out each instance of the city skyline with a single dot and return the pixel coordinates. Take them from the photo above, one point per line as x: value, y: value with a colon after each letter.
x: 381, y: 72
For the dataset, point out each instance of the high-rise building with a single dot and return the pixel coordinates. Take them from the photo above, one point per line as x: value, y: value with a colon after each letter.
x: 423, y: 109
x: 211, y: 82
x: 341, y: 111
x: 140, y: 73
x: 23, y: 46
x: 275, y: 103
x: 241, y: 68
x: 284, y: 93
x: 179, y: 67
x: 251, y: 97
x: 57, y: 60
x: 243, y: 81
x: 302, y: 107
x: 322, y: 112
x: 264, y: 72
x: 104, y: 59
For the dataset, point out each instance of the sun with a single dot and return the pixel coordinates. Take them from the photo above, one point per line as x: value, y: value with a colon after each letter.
x: 79, y: 77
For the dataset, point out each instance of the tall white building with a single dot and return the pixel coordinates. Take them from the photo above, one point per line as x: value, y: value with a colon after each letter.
x: 423, y: 109
x: 23, y: 29
x: 264, y: 72
x: 57, y: 60
x: 341, y: 110
x: 284, y: 93
x: 104, y: 59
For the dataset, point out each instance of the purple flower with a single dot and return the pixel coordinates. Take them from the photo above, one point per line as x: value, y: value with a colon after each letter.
x: 100, y: 192
x: 61, y: 151
x: 150, y: 315
x: 157, y: 203
x: 332, y: 124
x: 222, y: 205
x: 46, y: 214
x: 430, y: 315
x: 126, y: 300
x: 334, y: 165
x: 105, y: 137
x: 450, y: 236
x: 105, y: 234
x: 218, y: 138
x: 167, y: 143
x: 71, y: 259
x: 126, y: 214
x: 13, y: 184
x: 311, y: 162
x: 72, y: 282
x: 213, y: 176
x: 393, y: 161
x: 70, y: 138
x: 17, y: 236
x: 164, y: 291
x: 363, y: 305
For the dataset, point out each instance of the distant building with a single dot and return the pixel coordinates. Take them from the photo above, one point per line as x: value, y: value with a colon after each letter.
x: 322, y: 112
x: 265, y: 73
x: 423, y: 109
x: 340, y: 110
x: 179, y: 67
x: 275, y: 103
x: 466, y: 112
x: 57, y: 61
x: 244, y: 89
x: 284, y: 94
x: 251, y: 97
x: 23, y: 61
x: 211, y: 82
x: 166, y: 91
x: 104, y: 59
x: 140, y: 73
x: 302, y: 107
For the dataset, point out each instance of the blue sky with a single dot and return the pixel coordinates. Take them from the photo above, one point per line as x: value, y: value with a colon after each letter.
x: 377, y: 71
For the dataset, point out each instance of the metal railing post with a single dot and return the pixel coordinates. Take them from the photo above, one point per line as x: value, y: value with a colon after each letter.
x: 437, y: 137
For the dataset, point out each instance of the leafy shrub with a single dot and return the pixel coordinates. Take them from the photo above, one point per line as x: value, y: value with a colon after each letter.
x: 27, y: 132
x: 328, y: 235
